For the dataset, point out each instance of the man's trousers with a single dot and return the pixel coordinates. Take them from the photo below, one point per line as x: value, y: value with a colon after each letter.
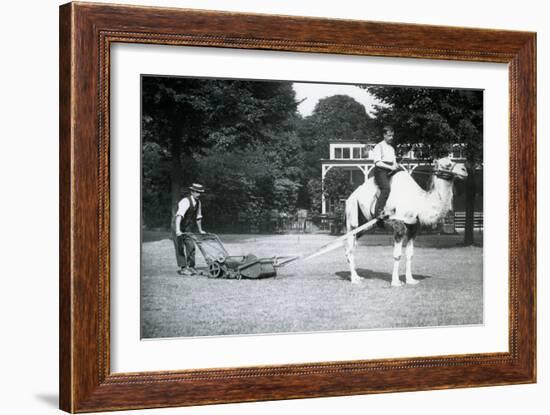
x: 382, y: 180
x: 185, y: 250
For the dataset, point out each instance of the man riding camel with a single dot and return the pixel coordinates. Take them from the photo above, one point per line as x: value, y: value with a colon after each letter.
x: 385, y: 164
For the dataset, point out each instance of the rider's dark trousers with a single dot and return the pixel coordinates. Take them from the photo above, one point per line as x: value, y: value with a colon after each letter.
x: 382, y: 180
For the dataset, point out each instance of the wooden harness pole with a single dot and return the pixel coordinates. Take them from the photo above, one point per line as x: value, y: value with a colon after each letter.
x: 338, y: 241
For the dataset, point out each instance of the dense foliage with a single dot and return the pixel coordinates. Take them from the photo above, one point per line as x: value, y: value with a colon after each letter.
x: 259, y: 159
x: 243, y: 140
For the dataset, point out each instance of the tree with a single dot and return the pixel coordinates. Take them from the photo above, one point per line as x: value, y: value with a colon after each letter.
x: 314, y: 191
x: 431, y: 121
x: 188, y: 116
x: 155, y: 185
x: 261, y: 176
x: 195, y: 122
x: 339, y: 117
x: 337, y: 185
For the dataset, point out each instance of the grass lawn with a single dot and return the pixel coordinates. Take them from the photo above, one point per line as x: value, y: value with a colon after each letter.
x: 315, y: 295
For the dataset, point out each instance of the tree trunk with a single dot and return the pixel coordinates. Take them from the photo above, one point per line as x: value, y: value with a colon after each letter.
x: 175, y: 173
x: 470, y: 206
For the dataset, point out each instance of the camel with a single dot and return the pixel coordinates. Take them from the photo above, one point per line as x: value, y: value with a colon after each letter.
x: 408, y: 206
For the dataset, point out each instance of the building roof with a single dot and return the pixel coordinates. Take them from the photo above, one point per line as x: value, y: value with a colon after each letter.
x: 350, y: 142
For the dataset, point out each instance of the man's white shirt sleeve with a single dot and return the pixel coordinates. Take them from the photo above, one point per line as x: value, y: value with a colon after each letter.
x: 183, y: 205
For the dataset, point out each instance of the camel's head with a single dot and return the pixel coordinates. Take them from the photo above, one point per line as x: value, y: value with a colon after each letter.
x: 447, y: 169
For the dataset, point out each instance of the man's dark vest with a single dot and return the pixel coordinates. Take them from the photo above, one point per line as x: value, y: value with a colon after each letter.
x: 189, y: 220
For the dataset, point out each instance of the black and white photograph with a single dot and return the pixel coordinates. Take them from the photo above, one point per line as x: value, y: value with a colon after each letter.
x: 273, y: 206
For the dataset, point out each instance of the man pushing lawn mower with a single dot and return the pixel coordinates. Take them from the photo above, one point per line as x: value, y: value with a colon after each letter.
x: 188, y: 218
x: 220, y: 264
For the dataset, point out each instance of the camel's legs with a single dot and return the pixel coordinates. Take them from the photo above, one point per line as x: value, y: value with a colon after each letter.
x: 397, y: 249
x: 409, y: 252
x: 350, y: 248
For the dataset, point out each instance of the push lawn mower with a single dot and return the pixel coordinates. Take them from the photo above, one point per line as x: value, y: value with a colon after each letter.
x: 222, y: 265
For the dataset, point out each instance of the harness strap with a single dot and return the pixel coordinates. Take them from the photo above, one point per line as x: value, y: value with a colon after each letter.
x: 446, y: 174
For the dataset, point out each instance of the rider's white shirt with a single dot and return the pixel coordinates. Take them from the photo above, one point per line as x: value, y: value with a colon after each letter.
x: 383, y: 152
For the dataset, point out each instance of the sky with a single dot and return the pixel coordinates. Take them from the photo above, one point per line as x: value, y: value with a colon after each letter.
x: 314, y: 92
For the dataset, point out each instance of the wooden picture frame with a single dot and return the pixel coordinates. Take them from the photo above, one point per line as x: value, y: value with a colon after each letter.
x: 86, y: 33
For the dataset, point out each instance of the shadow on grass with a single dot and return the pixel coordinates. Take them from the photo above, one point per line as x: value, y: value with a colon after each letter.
x: 435, y: 241
x: 155, y: 236
x: 422, y: 241
x: 369, y: 274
